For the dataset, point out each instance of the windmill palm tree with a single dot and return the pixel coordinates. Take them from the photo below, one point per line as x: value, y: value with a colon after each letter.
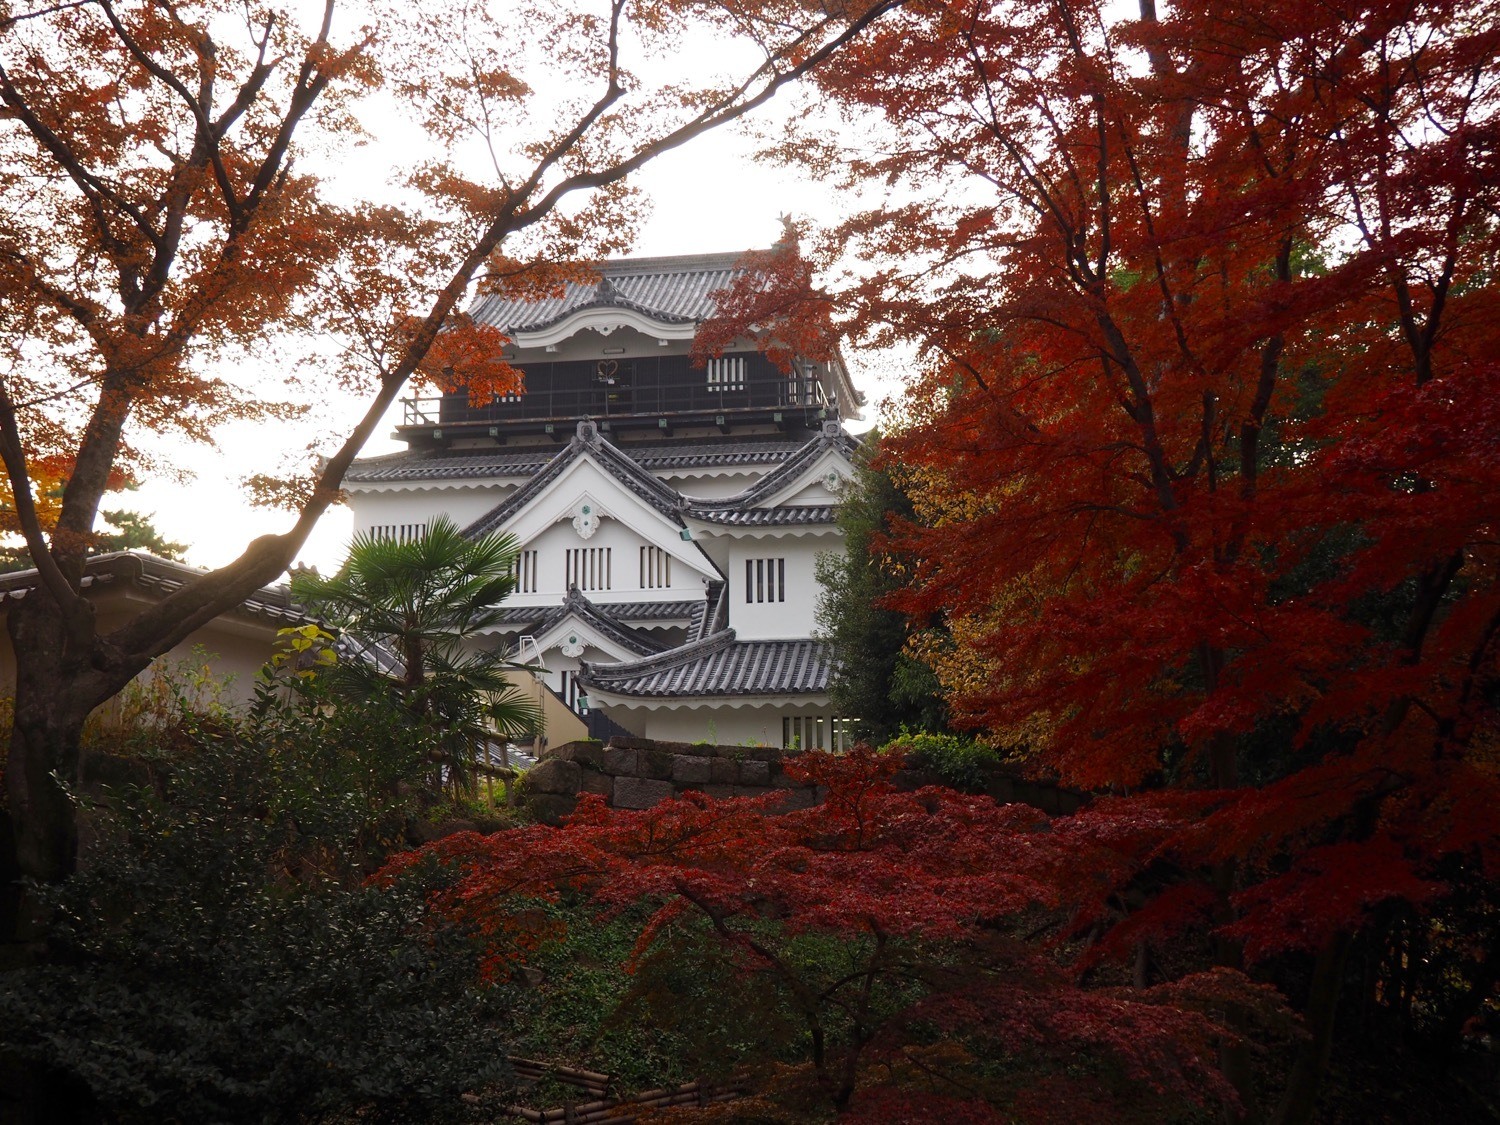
x: 411, y: 610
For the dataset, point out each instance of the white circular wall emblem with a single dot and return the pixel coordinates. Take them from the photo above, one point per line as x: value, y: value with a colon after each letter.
x: 833, y: 481
x: 586, y: 519
x: 572, y: 645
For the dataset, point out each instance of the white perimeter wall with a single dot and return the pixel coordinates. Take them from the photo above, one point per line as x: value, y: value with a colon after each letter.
x: 222, y: 658
x: 752, y: 725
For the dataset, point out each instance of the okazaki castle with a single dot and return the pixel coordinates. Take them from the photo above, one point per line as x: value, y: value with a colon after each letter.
x: 669, y: 516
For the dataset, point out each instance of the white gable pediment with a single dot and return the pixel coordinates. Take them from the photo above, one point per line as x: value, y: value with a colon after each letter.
x: 604, y: 319
x: 572, y: 636
x: 822, y: 482
x: 585, y: 484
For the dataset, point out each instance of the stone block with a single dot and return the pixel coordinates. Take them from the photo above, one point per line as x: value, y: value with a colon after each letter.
x: 723, y: 771
x: 755, y: 773
x: 640, y: 793
x: 656, y: 764
x: 758, y: 753
x: 781, y: 780
x: 689, y: 769
x: 551, y: 808
x: 600, y: 783
x: 620, y: 760
x: 719, y: 792
x: 554, y: 776
x: 629, y: 742
x: 589, y: 755
x: 752, y: 790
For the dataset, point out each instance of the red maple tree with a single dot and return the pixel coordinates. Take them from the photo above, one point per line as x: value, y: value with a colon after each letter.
x: 1204, y: 451
x: 939, y: 901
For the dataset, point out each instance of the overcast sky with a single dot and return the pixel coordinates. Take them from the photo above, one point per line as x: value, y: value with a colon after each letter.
x: 708, y: 196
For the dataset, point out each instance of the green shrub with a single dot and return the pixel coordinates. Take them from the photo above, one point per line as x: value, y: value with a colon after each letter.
x: 960, y: 762
x: 221, y: 958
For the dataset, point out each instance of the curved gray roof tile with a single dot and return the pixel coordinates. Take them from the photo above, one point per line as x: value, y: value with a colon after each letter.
x: 718, y: 665
x: 662, y: 497
x: 447, y: 465
x: 413, y: 465
x: 675, y: 289
x: 601, y: 619
x: 633, y: 616
x: 832, y: 436
x: 790, y: 515
x: 162, y: 577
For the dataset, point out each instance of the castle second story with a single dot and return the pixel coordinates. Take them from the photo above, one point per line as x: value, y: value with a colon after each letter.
x: 618, y: 350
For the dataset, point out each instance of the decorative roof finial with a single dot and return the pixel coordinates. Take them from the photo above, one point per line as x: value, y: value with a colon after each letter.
x: 791, y: 234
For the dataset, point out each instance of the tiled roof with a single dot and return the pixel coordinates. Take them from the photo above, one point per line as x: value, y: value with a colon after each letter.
x: 662, y: 497
x: 716, y: 666
x: 642, y: 613
x: 414, y: 464
x: 703, y: 455
x: 765, y: 517
x: 675, y: 290
x: 717, y: 618
x: 163, y: 577
x: 599, y: 618
x: 655, y: 611
x: 716, y: 510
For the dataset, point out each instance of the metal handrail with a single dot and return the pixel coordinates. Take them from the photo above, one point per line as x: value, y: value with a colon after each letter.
x: 605, y: 401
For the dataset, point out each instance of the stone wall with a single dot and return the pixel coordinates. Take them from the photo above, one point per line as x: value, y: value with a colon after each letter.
x: 636, y: 773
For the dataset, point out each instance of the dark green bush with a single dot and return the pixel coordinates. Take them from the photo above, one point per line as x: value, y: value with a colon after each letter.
x: 957, y: 761
x: 221, y: 958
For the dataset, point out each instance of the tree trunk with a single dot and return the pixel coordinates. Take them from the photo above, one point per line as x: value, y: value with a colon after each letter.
x: 1234, y: 1057
x: 1301, y: 1096
x: 58, y: 683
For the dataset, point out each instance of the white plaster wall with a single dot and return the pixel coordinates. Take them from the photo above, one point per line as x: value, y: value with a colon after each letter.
x: 231, y: 658
x: 814, y: 494
x: 589, y: 343
x: 712, y: 488
x: 462, y: 505
x: 730, y: 726
x: 221, y: 659
x: 625, y: 558
x: 752, y: 725
x: 794, y: 617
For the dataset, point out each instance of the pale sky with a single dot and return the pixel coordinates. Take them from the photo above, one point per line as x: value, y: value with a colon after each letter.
x: 707, y: 196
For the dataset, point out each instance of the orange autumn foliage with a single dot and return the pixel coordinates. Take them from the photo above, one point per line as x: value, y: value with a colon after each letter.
x: 172, y: 259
